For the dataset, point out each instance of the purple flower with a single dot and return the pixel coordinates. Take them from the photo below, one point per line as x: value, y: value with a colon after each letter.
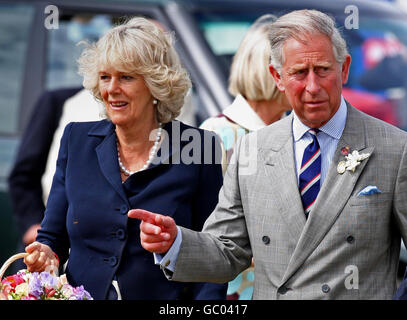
x: 35, y: 287
x: 40, y: 286
x: 48, y: 280
x: 79, y: 293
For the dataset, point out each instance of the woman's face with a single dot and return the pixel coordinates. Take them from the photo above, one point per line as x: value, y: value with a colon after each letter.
x: 127, y: 99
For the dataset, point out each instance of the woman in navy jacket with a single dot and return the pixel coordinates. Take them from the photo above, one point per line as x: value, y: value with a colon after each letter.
x: 139, y: 158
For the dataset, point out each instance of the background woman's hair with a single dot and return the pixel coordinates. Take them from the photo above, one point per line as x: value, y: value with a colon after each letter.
x: 249, y: 75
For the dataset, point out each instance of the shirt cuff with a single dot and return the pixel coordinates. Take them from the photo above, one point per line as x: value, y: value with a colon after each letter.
x: 170, y: 258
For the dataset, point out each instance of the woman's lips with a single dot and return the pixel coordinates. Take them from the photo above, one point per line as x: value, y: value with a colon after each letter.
x: 117, y: 105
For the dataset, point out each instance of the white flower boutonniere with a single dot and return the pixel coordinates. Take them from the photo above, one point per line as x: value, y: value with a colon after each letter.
x: 352, y: 160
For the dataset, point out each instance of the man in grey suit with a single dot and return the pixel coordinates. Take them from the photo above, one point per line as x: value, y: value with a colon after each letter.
x: 318, y: 199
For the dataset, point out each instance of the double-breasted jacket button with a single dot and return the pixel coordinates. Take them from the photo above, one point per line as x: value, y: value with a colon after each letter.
x: 325, y: 288
x: 124, y: 209
x: 112, y: 261
x: 120, y: 234
x: 266, y: 240
x: 350, y: 239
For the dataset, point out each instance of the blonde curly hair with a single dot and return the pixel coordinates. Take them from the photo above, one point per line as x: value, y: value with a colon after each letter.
x: 140, y: 47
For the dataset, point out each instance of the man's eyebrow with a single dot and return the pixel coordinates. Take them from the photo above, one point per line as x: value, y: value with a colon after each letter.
x: 297, y: 67
x: 323, y: 64
x: 301, y: 66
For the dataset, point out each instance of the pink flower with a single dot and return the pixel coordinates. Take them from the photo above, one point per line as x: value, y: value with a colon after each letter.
x: 14, y: 280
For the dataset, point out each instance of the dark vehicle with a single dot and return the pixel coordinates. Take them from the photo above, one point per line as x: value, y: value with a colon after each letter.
x: 38, y: 51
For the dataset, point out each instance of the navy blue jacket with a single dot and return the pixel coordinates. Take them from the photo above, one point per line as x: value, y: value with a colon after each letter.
x: 88, y: 204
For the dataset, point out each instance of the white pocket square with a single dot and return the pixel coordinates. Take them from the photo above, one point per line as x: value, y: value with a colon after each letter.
x: 369, y: 190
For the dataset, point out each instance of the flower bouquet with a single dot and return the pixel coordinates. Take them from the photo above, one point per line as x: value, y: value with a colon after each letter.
x: 25, y: 285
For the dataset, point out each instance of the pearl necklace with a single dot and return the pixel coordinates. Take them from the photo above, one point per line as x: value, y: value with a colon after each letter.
x: 150, y: 157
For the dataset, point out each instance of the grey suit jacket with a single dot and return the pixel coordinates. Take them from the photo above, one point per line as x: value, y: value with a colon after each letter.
x: 349, y: 246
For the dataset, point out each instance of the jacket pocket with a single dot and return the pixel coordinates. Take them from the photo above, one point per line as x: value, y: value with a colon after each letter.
x: 378, y: 200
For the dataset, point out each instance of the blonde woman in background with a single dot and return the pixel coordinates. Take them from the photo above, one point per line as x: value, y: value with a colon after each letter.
x: 257, y: 104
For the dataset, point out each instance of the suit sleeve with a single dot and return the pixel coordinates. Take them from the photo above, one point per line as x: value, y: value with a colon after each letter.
x: 210, y: 182
x: 222, y: 250
x: 53, y: 230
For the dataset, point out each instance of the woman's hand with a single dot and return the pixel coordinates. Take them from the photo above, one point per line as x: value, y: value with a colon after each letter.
x: 157, y: 232
x: 40, y: 258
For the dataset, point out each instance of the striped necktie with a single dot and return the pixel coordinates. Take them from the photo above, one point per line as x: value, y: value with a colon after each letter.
x: 310, y: 173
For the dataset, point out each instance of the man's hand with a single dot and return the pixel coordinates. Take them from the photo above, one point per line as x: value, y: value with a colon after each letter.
x: 157, y: 232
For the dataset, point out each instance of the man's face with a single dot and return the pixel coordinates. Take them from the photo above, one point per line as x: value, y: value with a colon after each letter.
x: 312, y: 79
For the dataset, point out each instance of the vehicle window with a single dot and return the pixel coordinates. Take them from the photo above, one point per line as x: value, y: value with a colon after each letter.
x: 224, y: 34
x: 15, y: 23
x: 231, y: 33
x: 224, y: 38
x: 63, y: 48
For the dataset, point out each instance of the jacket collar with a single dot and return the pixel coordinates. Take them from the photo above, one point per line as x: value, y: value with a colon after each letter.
x: 102, y: 128
x: 243, y: 114
x: 334, y: 127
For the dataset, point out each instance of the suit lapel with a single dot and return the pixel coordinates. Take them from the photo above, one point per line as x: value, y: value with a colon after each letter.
x: 334, y: 194
x: 280, y: 167
x: 106, y: 153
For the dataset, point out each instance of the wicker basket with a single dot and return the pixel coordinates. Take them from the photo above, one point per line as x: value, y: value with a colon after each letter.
x: 10, y: 261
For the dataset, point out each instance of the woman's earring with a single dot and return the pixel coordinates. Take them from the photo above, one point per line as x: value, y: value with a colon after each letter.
x: 155, y: 101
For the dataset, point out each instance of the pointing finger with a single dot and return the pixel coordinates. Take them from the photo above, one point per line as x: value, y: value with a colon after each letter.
x: 143, y: 215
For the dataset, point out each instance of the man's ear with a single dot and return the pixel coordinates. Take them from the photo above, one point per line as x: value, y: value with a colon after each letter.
x: 277, y: 78
x: 345, y: 69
